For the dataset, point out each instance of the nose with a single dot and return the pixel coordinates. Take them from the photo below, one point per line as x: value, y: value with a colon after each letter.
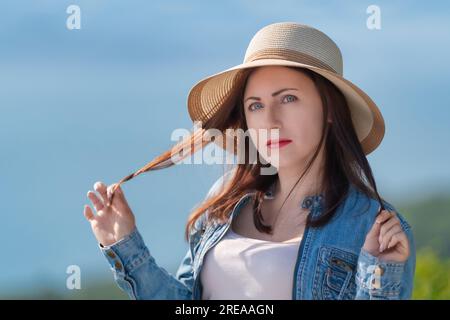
x: 273, y: 118
x: 273, y: 123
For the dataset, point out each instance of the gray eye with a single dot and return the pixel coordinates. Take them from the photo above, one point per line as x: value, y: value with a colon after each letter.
x: 251, y: 107
x: 290, y: 96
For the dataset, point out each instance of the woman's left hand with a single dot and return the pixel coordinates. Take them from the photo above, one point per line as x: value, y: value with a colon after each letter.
x: 387, y: 240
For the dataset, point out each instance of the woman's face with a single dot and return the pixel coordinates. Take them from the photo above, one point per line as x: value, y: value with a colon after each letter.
x: 277, y: 97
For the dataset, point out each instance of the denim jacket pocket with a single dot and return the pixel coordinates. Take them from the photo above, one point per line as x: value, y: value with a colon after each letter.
x: 334, y: 276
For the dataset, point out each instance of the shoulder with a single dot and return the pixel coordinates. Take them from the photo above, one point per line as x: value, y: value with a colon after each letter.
x: 220, y: 183
x: 358, y: 203
x: 217, y: 186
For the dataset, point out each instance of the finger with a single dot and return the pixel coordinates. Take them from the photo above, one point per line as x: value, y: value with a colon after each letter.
x: 117, y: 193
x: 393, y: 242
x: 387, y: 225
x: 383, y: 216
x: 88, y: 214
x: 109, y: 194
x: 100, y: 187
x: 387, y: 238
x: 98, y: 205
x: 398, y: 238
x: 375, y: 230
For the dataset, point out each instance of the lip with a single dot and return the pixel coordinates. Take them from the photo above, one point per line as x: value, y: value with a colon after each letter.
x: 278, y: 143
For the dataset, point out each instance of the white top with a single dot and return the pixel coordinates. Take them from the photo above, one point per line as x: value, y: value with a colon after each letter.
x: 244, y: 268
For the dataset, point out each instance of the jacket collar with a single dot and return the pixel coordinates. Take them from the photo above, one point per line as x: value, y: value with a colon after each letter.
x: 314, y: 203
x: 309, y: 202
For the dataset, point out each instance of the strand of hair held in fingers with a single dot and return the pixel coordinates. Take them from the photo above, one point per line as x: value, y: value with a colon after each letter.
x: 181, y: 150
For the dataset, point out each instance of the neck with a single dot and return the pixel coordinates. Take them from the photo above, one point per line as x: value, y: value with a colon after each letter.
x: 309, y: 185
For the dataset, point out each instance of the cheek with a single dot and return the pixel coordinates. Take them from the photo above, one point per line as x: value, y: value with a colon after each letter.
x: 306, y: 128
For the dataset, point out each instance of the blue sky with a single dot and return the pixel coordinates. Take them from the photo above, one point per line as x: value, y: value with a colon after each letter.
x: 98, y: 103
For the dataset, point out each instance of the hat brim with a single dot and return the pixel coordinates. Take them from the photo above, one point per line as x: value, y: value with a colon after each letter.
x: 209, y: 94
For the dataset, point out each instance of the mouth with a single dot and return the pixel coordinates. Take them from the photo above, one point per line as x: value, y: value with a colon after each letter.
x: 272, y: 144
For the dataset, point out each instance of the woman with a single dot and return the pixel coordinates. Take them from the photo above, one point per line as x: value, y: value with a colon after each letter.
x: 316, y: 229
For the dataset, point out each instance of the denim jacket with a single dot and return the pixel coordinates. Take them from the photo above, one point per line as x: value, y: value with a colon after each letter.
x: 331, y: 263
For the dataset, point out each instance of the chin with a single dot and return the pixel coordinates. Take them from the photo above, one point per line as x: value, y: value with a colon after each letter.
x: 286, y: 161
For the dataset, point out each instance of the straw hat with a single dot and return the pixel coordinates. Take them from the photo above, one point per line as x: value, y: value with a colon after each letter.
x: 289, y: 44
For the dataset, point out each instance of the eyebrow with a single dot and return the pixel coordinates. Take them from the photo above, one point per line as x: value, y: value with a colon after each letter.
x: 273, y: 94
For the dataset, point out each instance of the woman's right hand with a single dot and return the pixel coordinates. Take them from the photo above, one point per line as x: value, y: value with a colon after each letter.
x: 110, y: 223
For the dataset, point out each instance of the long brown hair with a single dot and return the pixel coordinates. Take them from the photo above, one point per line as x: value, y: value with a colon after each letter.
x: 345, y: 162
